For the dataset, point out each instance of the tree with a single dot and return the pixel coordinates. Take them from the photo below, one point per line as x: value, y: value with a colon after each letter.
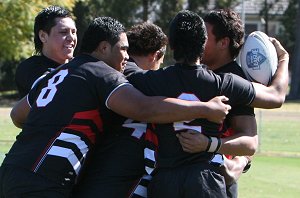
x: 227, y: 3
x: 288, y: 37
x: 295, y: 60
x: 264, y: 12
x: 16, y: 26
x: 16, y: 33
x: 288, y: 21
x: 198, y: 6
x: 86, y: 10
x: 168, y: 9
x: 15, y: 30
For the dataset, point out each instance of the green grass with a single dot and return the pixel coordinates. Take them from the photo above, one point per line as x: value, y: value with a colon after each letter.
x: 275, y: 171
x: 277, y: 138
x: 271, y: 177
x: 8, y: 131
x: 279, y: 130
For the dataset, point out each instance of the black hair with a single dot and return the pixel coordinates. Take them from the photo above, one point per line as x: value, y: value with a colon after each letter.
x: 227, y: 23
x: 101, y: 29
x: 146, y: 38
x: 187, y: 36
x: 45, y: 20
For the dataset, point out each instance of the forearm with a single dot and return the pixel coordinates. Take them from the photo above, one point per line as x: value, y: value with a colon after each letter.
x: 233, y: 168
x: 237, y: 145
x: 280, y: 79
x: 244, y: 139
x: 129, y: 102
x: 274, y: 95
x: 166, y: 110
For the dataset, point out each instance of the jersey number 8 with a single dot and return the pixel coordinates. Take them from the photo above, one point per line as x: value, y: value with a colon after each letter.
x: 47, y: 93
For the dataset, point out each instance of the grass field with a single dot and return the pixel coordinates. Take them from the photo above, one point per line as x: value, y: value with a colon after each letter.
x: 275, y: 171
x: 271, y: 177
x: 8, y: 131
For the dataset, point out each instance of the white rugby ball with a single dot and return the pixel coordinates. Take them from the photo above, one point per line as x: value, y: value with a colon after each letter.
x: 258, y: 58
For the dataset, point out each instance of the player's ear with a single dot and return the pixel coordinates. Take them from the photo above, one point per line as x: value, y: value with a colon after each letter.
x: 103, y: 47
x: 224, y: 42
x: 43, y: 36
x: 153, y: 56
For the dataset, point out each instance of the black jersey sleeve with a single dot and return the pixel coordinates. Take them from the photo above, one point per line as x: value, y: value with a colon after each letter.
x: 238, y: 90
x: 140, y: 80
x: 234, y: 68
x: 31, y: 69
x: 106, y: 79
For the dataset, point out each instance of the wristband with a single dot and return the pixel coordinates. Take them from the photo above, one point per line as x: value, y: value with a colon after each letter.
x: 219, y: 144
x: 213, y: 145
x: 208, y: 144
x: 247, y: 167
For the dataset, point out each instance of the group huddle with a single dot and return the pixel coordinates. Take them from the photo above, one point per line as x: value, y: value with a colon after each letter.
x: 111, y: 123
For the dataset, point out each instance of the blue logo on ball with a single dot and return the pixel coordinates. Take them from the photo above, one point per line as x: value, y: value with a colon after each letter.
x: 254, y: 59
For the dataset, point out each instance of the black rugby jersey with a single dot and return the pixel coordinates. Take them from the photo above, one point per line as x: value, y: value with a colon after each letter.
x: 31, y: 69
x: 68, y: 106
x: 189, y: 83
x: 234, y: 68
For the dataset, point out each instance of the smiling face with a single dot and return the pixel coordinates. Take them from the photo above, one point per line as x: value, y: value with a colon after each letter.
x: 60, y: 43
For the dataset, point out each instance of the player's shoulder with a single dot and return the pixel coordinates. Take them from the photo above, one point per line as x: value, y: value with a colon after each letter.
x: 36, y: 61
x: 26, y: 66
x: 232, y: 67
x: 29, y: 61
x: 207, y: 73
x: 93, y: 65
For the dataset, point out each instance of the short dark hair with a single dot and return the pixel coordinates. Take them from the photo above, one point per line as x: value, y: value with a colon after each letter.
x: 101, y: 29
x: 45, y: 20
x: 227, y: 23
x: 187, y: 36
x: 145, y: 38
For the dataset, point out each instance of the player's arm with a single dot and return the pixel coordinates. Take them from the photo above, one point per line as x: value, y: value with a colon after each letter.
x: 129, y: 102
x: 273, y: 96
x: 233, y: 168
x: 243, y: 142
x: 20, y: 112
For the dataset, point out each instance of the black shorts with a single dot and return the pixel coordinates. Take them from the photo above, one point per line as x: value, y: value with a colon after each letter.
x: 17, y: 182
x: 109, y: 189
x: 190, y: 181
x: 232, y: 190
x: 113, y: 171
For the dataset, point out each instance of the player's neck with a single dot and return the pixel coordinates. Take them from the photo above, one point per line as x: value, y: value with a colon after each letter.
x: 141, y: 61
x: 197, y: 62
x: 220, y: 62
